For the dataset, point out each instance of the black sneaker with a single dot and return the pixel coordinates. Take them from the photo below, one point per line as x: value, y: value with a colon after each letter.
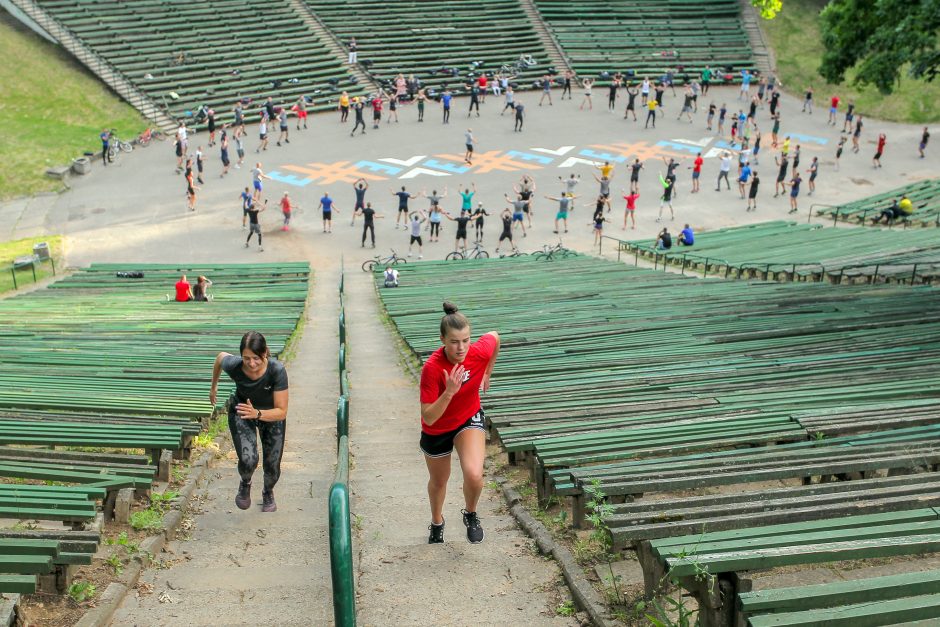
x: 437, y: 533
x: 474, y: 529
x: 243, y: 498
x: 267, y: 502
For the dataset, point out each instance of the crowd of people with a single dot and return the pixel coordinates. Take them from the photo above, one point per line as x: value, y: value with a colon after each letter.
x: 757, y: 104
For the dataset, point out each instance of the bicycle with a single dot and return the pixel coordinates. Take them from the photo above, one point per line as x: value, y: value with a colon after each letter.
x: 550, y: 253
x: 392, y: 260
x: 476, y: 253
x: 150, y: 134
x: 116, y: 145
x: 524, y: 62
x: 515, y: 253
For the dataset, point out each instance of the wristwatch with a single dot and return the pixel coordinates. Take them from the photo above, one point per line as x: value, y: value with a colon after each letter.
x: 258, y: 417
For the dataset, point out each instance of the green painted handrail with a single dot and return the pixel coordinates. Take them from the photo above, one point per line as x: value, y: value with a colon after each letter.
x: 341, y: 555
x: 342, y: 417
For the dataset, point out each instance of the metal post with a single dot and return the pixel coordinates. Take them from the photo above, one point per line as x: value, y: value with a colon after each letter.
x: 875, y: 275
x: 636, y: 258
x: 705, y: 269
x: 13, y: 272
x: 341, y: 554
x: 913, y: 274
x: 52, y: 261
x: 33, y: 268
x: 342, y: 417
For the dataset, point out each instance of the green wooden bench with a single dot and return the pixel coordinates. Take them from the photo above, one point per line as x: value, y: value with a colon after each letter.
x: 43, y: 561
x: 884, y: 600
x: 711, y: 565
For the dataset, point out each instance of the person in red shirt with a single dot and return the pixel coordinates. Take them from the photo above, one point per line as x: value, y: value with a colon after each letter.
x: 286, y: 210
x: 377, y: 109
x: 833, y: 109
x: 184, y: 291
x: 696, y: 171
x: 482, y: 83
x: 876, y: 161
x: 452, y: 417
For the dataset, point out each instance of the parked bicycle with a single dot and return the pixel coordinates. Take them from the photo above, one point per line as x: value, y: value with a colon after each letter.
x: 391, y: 260
x: 116, y: 145
x: 550, y: 253
x: 150, y: 134
x: 476, y: 252
x: 524, y: 62
x: 515, y: 253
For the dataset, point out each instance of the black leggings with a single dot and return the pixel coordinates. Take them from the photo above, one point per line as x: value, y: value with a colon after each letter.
x: 252, y: 232
x: 246, y: 446
x: 435, y: 229
x: 479, y: 229
x: 368, y: 228
x: 344, y: 114
x: 446, y: 114
x: 358, y: 122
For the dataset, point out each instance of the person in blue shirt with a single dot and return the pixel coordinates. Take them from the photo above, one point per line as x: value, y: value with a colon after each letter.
x: 326, y: 204
x: 745, y: 85
x: 445, y: 102
x: 403, y: 198
x: 686, y: 236
x: 105, y: 145
x: 744, y: 177
x: 247, y: 202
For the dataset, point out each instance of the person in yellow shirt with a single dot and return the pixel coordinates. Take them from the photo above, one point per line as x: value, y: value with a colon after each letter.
x: 651, y: 115
x: 605, y: 169
x: 344, y: 107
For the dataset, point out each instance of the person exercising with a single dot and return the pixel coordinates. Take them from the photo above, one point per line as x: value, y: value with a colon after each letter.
x: 452, y: 417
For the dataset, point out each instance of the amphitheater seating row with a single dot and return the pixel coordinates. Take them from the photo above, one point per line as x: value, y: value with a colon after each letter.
x: 422, y: 38
x: 795, y: 251
x: 925, y: 195
x: 213, y: 53
x: 649, y: 38
x: 22, y: 559
x: 712, y: 566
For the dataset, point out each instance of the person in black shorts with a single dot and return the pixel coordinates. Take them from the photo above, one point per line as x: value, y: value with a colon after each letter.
x: 752, y: 192
x: 360, y: 186
x: 452, y: 417
x: 525, y: 190
x: 477, y: 216
x: 506, y: 217
x: 358, y: 106
x: 781, y: 186
x: 368, y: 226
x: 257, y: 407
x: 403, y: 197
x: 813, y: 171
x: 462, y: 220
x: 635, y: 168
x: 631, y: 102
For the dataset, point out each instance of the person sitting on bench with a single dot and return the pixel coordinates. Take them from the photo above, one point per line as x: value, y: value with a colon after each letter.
x: 201, y: 289
x: 664, y: 240
x: 391, y: 277
x: 686, y: 236
x: 184, y: 291
x: 897, y: 210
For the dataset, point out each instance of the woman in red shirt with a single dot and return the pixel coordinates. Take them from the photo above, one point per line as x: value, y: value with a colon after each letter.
x: 451, y: 417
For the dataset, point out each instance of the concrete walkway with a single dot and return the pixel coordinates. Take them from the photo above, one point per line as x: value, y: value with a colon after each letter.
x: 402, y: 579
x: 249, y: 568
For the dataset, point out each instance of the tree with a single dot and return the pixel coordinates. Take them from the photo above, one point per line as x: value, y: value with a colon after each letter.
x: 880, y: 38
x: 768, y: 8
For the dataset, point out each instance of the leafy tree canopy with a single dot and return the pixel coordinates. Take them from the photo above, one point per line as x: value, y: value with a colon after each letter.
x: 882, y: 38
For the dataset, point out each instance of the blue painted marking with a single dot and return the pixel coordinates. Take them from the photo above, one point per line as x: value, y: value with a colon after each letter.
x: 587, y: 152
x: 677, y: 146
x: 447, y: 167
x: 723, y: 144
x: 372, y: 166
x: 290, y: 179
x: 810, y: 139
x: 528, y: 156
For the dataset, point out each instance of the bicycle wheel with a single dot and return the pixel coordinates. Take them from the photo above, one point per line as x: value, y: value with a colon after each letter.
x: 453, y: 256
x: 368, y: 266
x: 125, y: 146
x: 398, y: 260
x: 482, y: 255
x: 538, y: 256
x: 112, y: 152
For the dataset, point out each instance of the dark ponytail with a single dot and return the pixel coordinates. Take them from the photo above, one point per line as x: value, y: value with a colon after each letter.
x: 453, y: 319
x: 254, y: 342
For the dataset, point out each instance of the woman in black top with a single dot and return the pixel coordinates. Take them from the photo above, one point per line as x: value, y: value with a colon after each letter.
x: 258, y: 404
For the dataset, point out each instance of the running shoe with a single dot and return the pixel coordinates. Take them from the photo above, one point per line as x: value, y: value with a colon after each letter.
x: 243, y: 498
x: 474, y: 529
x: 437, y: 533
x: 267, y: 502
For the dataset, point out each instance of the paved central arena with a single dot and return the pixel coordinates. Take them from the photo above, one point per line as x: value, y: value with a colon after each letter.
x: 135, y: 211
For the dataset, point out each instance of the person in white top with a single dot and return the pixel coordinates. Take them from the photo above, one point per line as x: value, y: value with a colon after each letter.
x: 723, y: 173
x: 645, y: 91
x: 391, y: 277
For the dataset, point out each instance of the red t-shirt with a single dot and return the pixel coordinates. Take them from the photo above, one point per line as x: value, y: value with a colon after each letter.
x: 466, y: 401
x: 835, y: 102
x: 285, y: 205
x: 377, y: 104
x: 698, y: 164
x: 182, y: 291
x: 631, y: 201
x: 482, y: 81
x: 881, y: 143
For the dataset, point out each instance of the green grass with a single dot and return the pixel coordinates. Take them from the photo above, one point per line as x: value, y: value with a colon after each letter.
x: 17, y: 248
x: 51, y: 110
x: 795, y: 38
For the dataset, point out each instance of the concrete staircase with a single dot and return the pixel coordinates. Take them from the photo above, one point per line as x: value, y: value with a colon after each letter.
x: 763, y: 55
x: 332, y: 42
x: 112, y: 77
x: 556, y: 55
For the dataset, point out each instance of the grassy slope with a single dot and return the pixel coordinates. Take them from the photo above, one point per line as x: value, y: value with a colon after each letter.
x: 51, y: 110
x: 794, y: 36
x: 11, y: 250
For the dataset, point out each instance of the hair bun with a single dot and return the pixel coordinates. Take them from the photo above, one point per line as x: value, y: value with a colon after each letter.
x: 449, y: 308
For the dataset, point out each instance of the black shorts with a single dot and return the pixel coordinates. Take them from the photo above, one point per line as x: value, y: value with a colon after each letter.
x: 461, y: 234
x: 469, y: 147
x: 442, y: 445
x: 415, y: 238
x: 877, y: 155
x: 403, y: 210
